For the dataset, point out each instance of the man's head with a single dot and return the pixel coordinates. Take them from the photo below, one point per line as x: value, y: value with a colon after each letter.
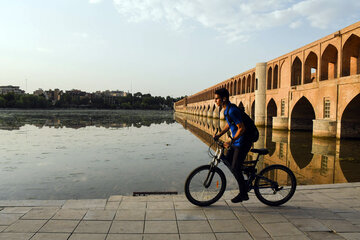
x: 221, y: 97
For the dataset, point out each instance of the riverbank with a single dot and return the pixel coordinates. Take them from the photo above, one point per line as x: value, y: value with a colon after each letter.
x: 315, y: 212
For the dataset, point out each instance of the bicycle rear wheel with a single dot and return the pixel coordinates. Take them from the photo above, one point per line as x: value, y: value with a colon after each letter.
x: 275, y: 185
x: 205, y: 185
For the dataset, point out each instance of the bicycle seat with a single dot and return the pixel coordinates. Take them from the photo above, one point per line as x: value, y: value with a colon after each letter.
x: 261, y: 151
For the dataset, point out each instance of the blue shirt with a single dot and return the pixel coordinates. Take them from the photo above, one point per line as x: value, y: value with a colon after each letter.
x: 235, y: 116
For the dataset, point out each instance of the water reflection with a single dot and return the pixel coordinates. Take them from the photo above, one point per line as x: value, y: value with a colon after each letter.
x: 313, y: 160
x: 15, y: 119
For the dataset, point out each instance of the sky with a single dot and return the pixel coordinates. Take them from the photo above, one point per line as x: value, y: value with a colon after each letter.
x: 162, y: 47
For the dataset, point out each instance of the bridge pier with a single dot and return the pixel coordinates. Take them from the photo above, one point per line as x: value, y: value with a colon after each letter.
x: 324, y: 128
x: 260, y: 94
x: 280, y: 123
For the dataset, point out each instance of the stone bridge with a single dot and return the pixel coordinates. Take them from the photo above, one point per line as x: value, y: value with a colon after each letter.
x: 316, y: 87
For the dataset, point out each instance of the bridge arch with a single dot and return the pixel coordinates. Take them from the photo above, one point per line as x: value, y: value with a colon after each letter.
x: 252, y: 113
x: 243, y: 85
x: 311, y: 67
x: 253, y: 82
x: 296, y: 72
x: 350, y: 119
x: 300, y: 148
x: 241, y: 106
x: 231, y: 89
x: 302, y: 115
x: 351, y: 56
x: 269, y: 78
x: 276, y: 74
x: 329, y: 63
x: 235, y: 89
x: 248, y: 83
x: 271, y: 111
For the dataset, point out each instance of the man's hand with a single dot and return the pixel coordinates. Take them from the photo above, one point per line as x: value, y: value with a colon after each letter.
x: 216, y: 137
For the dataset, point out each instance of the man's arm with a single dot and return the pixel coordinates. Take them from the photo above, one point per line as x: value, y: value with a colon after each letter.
x: 226, y: 128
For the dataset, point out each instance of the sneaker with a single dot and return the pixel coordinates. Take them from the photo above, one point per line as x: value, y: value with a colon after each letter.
x: 239, y: 198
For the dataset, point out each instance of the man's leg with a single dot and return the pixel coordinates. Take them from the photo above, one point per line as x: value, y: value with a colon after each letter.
x: 236, y: 168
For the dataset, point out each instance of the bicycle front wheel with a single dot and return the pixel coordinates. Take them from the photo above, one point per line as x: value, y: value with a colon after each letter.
x: 275, y: 185
x: 205, y: 185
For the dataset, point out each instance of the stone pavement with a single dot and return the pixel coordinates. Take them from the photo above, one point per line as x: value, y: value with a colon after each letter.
x: 315, y: 212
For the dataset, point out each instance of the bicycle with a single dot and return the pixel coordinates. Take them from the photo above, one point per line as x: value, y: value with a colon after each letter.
x: 274, y: 185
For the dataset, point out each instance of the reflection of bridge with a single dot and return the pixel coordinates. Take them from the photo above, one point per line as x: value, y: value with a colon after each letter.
x: 314, y: 87
x: 313, y: 160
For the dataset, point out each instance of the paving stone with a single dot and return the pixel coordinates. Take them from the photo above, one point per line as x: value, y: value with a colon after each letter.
x: 226, y: 226
x: 93, y: 227
x: 115, y: 198
x: 198, y: 236
x: 7, y: 219
x: 269, y: 217
x: 340, y: 226
x: 32, y: 203
x: 51, y: 236
x: 160, y: 205
x: 154, y: 214
x: 295, y: 237
x: 195, y: 214
x: 134, y: 199
x: 130, y: 214
x: 252, y: 226
x: 350, y: 236
x: 295, y: 214
x: 161, y: 227
x: 127, y: 227
x: 40, y: 213
x: 100, y: 215
x: 70, y: 214
x: 16, y: 210
x: 15, y: 236
x: 132, y: 205
x: 309, y: 225
x: 233, y: 236
x: 281, y: 229
x: 85, y: 204
x: 26, y: 226
x: 112, y: 205
x: 185, y: 205
x: 60, y: 226
x: 352, y: 217
x: 161, y: 237
x: 323, y: 235
x: 124, y: 237
x: 3, y: 228
x: 194, y: 227
x: 160, y: 198
x: 79, y: 236
x: 219, y: 214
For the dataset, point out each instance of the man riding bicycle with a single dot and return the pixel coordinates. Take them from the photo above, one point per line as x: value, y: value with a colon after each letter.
x: 242, y: 139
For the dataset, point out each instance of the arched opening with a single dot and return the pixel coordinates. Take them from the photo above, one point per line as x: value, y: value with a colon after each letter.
x: 350, y: 159
x: 300, y: 147
x: 231, y: 89
x: 311, y: 68
x: 241, y: 106
x: 329, y: 63
x: 302, y: 115
x: 253, y: 82
x: 296, y: 72
x: 248, y: 84
x: 276, y: 73
x: 350, y: 120
x: 252, y: 115
x: 243, y: 85
x: 351, y: 59
x: 271, y: 112
x: 235, y: 93
x: 239, y: 86
x: 269, y: 78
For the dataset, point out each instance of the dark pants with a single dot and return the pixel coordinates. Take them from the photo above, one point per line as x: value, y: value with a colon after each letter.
x: 236, y: 157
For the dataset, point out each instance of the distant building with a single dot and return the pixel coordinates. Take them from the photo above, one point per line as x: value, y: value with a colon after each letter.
x: 116, y: 93
x: 9, y: 89
x: 38, y: 92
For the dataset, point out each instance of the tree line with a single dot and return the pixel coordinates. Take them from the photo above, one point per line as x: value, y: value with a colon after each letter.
x: 67, y: 100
